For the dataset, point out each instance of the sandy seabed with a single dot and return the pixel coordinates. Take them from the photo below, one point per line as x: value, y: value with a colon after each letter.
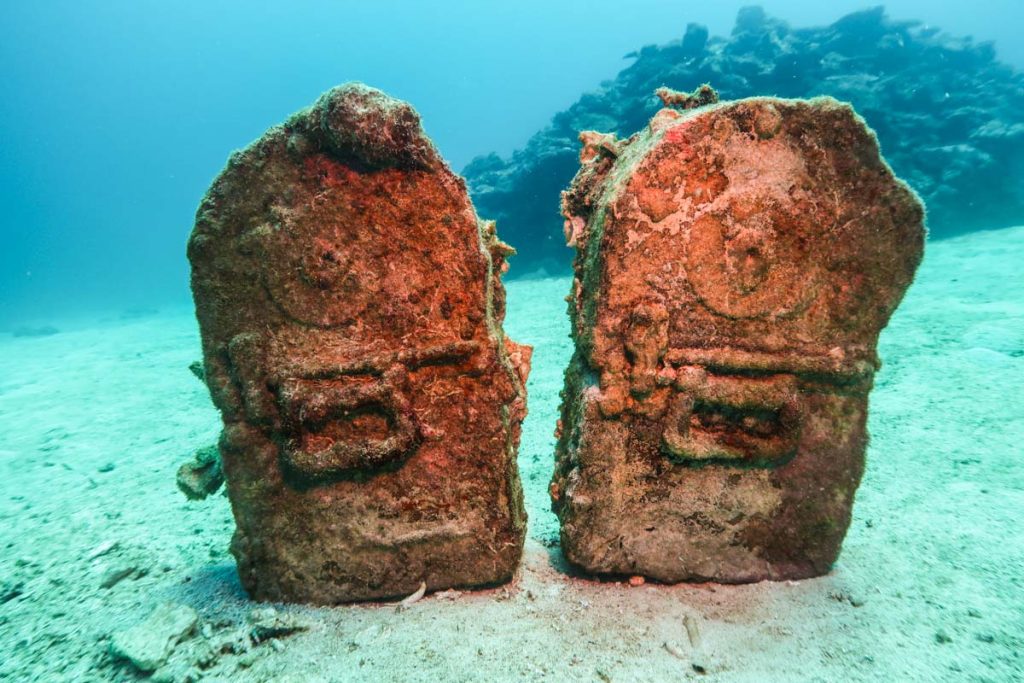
x: 929, y: 587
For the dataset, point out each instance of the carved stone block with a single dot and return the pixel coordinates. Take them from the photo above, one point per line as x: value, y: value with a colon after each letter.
x: 350, y: 306
x: 735, y: 265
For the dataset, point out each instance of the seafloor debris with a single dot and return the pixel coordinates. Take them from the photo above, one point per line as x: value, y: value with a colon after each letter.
x: 118, y: 573
x: 350, y: 306
x: 411, y: 600
x: 735, y: 265
x: 266, y: 623
x: 176, y: 646
x: 148, y: 645
x: 201, y: 476
x: 197, y: 369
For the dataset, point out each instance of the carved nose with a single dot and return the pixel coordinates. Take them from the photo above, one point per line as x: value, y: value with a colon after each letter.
x: 748, y: 262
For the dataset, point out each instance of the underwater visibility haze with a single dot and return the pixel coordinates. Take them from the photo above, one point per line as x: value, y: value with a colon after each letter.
x: 577, y: 341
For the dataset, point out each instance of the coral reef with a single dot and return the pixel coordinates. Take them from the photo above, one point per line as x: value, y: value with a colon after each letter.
x: 948, y: 114
x: 735, y: 265
x: 350, y: 307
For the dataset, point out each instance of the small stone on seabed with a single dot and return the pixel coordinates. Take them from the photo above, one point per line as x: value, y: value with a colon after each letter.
x: 101, y: 549
x: 202, y: 475
x: 248, y: 659
x: 148, y: 645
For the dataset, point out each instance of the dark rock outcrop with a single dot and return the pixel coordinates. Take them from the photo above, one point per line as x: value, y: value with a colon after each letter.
x: 350, y: 306
x: 735, y: 264
x: 948, y: 114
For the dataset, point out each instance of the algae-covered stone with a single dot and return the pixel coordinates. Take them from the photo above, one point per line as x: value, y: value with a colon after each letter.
x: 735, y: 265
x: 350, y: 306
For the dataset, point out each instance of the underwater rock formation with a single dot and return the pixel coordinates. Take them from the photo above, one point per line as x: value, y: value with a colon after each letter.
x: 949, y: 115
x: 350, y: 306
x: 735, y: 265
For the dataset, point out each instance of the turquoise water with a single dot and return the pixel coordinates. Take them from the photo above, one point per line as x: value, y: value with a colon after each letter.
x: 116, y: 117
x: 118, y: 114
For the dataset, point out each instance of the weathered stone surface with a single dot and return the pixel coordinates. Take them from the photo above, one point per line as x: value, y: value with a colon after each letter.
x: 350, y: 305
x: 735, y: 265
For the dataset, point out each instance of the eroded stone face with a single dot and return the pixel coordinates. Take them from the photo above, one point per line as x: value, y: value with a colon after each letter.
x: 735, y: 266
x: 350, y: 306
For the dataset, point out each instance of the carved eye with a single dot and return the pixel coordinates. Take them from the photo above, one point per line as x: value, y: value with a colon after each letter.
x: 759, y: 266
x: 742, y: 422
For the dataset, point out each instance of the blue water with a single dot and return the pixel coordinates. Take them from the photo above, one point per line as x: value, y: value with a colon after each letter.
x: 115, y: 115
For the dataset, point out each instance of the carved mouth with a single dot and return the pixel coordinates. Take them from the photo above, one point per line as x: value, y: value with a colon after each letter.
x: 342, y: 425
x: 739, y: 421
x: 343, y: 419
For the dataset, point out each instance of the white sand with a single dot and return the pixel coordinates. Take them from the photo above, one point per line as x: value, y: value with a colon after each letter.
x: 930, y: 585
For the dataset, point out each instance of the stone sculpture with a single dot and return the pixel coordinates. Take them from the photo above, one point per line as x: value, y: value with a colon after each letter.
x: 350, y: 306
x: 735, y: 265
